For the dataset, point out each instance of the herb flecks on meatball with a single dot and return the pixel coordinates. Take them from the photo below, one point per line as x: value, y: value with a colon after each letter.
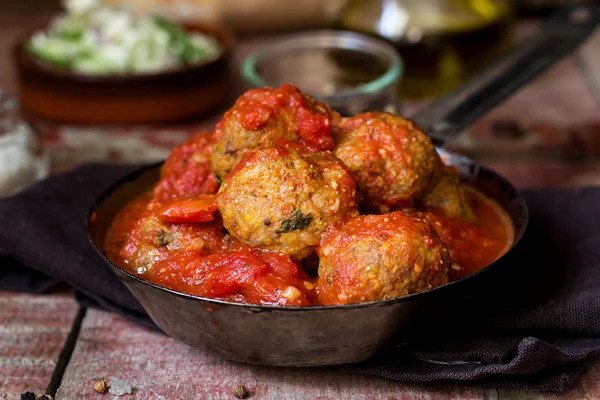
x: 262, y: 116
x: 151, y: 240
x: 379, y: 257
x: 283, y: 199
x: 392, y: 159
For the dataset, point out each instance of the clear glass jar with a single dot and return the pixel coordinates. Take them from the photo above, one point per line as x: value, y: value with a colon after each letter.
x: 352, y: 73
x: 22, y: 158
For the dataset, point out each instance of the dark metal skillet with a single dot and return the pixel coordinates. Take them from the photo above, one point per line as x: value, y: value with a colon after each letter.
x: 332, y: 335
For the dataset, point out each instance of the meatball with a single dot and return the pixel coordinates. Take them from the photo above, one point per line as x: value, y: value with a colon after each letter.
x: 378, y: 257
x: 446, y: 195
x: 283, y: 199
x: 392, y: 159
x: 262, y: 116
x: 187, y: 172
x: 150, y: 239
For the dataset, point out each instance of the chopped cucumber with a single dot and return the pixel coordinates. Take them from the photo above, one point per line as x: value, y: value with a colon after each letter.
x: 55, y: 51
x: 95, y: 39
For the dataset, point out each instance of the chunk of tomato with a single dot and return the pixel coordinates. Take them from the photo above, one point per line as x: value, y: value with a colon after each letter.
x: 185, y: 211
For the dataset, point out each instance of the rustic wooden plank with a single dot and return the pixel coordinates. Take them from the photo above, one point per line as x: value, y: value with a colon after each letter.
x: 33, y: 329
x: 555, y: 115
x: 509, y: 394
x: 157, y: 365
x: 558, y: 95
x: 587, y: 388
x: 548, y: 174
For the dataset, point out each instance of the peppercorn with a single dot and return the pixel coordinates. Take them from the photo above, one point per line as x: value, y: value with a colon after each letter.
x: 239, y: 391
x: 101, y: 386
x: 28, y: 396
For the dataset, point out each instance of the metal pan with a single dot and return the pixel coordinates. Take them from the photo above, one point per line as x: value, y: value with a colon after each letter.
x: 333, y: 335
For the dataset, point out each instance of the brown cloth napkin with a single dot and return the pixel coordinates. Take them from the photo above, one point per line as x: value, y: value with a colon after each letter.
x: 537, y: 326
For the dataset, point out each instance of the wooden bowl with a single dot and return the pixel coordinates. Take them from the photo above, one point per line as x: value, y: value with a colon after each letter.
x: 63, y: 96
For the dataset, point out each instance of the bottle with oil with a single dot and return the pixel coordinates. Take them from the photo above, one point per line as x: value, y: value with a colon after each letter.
x: 442, y: 42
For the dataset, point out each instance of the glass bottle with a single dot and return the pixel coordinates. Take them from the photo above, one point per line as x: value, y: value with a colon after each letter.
x: 442, y: 42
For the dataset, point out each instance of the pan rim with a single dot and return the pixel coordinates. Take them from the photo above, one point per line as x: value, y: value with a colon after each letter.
x: 254, y: 307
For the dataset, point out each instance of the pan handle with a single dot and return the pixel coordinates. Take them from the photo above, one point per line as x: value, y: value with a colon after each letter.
x: 561, y: 34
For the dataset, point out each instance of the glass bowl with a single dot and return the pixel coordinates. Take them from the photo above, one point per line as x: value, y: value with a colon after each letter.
x: 351, y: 72
x: 22, y: 157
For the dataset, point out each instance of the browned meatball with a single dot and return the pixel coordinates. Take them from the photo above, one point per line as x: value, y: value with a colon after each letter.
x: 378, y: 257
x: 284, y: 198
x: 151, y: 240
x: 186, y: 171
x: 392, y: 159
x: 262, y: 116
x: 446, y: 194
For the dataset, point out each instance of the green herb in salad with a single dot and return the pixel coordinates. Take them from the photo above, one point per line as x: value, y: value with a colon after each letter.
x: 180, y: 42
x: 94, y: 39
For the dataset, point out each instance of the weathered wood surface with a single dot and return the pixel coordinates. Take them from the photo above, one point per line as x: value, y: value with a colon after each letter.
x: 587, y: 388
x: 33, y: 330
x: 157, y: 365
x: 547, y: 135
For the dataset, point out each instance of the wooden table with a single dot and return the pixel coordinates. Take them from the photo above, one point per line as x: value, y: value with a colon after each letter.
x: 547, y: 135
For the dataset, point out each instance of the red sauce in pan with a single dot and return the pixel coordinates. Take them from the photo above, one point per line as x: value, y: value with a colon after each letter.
x: 227, y: 270
x: 248, y: 275
x: 287, y: 193
x: 474, y: 245
x: 258, y: 108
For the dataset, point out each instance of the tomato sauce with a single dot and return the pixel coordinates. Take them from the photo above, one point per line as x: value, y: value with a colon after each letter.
x: 187, y: 171
x: 242, y: 274
x: 474, y: 245
x: 229, y: 270
x: 174, y: 236
x: 122, y: 225
x: 258, y: 107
